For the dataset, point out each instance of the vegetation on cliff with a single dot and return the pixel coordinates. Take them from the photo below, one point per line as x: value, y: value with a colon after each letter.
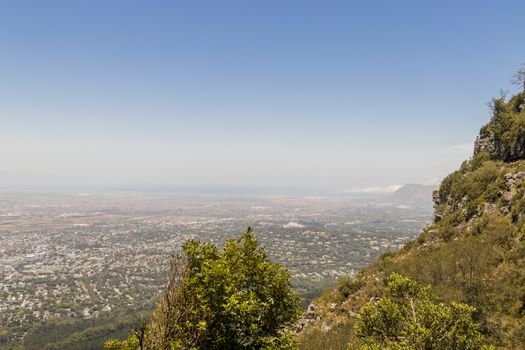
x: 473, y: 252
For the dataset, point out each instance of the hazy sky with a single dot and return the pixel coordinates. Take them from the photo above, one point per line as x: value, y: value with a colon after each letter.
x: 321, y: 94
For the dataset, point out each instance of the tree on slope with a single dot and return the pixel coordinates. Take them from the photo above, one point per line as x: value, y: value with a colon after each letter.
x: 233, y: 298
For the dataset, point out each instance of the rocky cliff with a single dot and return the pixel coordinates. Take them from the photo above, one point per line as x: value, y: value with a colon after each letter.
x: 473, y: 252
x: 504, y: 137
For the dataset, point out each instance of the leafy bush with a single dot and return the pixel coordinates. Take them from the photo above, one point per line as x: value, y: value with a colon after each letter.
x: 233, y: 298
x: 409, y: 317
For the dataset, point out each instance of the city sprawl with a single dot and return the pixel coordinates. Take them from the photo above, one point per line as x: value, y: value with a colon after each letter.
x: 84, y: 255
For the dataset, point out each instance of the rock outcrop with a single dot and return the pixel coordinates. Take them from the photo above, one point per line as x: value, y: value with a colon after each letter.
x: 498, y: 149
x: 486, y: 144
x: 503, y: 138
x: 308, y: 318
x: 512, y: 187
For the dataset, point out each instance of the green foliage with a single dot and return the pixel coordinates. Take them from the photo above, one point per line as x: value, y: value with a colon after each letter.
x: 5, y: 336
x: 68, y: 334
x: 477, y: 185
x: 285, y: 341
x: 337, y: 338
x: 347, y: 286
x: 410, y: 317
x: 233, y: 298
x: 507, y: 127
x: 129, y: 344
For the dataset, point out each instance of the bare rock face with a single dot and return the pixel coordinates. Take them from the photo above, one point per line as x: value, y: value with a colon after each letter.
x: 515, y: 151
x: 512, y: 179
x: 506, y: 151
x: 437, y: 201
x: 333, y: 307
x: 311, y: 312
x: 308, y: 318
x: 485, y: 144
x: 436, y: 198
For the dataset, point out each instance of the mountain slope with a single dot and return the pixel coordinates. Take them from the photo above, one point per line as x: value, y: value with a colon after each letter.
x: 473, y: 252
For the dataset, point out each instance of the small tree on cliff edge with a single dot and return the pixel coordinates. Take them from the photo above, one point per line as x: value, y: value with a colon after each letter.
x: 519, y: 77
x: 233, y: 298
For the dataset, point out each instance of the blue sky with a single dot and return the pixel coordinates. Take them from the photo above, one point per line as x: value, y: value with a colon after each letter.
x: 311, y: 94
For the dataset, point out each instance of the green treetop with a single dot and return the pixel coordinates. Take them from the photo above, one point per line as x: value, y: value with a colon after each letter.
x: 233, y: 298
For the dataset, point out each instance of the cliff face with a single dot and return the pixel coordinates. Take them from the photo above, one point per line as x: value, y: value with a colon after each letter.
x: 504, y: 137
x: 505, y: 197
x: 486, y: 144
x: 473, y: 252
x: 499, y: 149
x: 491, y: 181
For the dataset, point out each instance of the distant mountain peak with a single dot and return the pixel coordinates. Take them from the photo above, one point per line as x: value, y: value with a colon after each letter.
x: 414, y: 192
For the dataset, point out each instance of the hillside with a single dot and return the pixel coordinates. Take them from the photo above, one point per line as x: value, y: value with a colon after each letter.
x: 473, y: 252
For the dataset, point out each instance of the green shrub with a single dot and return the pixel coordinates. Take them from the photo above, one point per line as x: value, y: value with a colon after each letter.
x: 233, y: 298
x: 410, y: 317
